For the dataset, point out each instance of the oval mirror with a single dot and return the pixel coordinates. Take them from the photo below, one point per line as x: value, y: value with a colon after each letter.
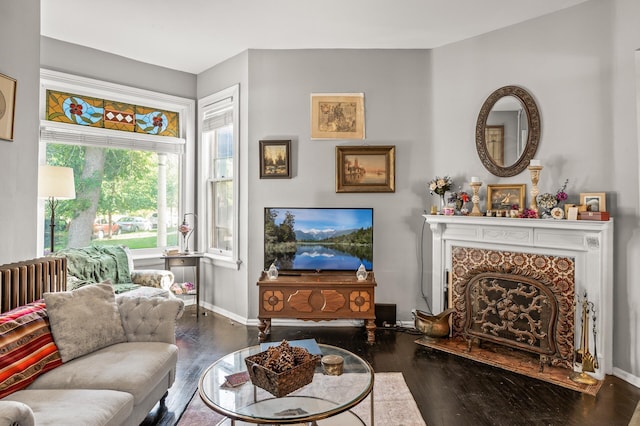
x: 508, y: 131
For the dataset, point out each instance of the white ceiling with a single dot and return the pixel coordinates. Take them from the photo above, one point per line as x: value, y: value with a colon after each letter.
x: 194, y: 35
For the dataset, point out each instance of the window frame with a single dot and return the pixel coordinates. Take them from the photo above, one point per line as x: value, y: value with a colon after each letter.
x: 54, y: 80
x: 205, y: 208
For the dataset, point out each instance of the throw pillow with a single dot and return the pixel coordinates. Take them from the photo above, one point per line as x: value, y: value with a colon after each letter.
x: 84, y: 320
x: 27, y: 348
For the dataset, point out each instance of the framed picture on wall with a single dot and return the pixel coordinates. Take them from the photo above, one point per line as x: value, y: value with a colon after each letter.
x: 594, y: 201
x: 365, y: 168
x: 337, y: 116
x: 7, y: 106
x: 275, y: 159
x: 506, y: 196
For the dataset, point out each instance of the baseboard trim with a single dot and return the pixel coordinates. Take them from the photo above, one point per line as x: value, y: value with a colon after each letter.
x: 627, y: 377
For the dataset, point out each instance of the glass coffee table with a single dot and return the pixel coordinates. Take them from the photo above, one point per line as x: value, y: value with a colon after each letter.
x: 325, y: 401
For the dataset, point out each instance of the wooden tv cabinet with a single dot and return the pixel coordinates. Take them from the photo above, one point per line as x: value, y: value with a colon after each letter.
x: 316, y: 297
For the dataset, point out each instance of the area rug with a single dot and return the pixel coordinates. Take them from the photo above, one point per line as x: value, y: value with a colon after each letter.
x: 515, y: 361
x: 393, y: 405
x: 635, y: 420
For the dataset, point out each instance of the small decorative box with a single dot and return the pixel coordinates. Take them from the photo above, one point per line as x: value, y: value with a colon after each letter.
x: 604, y: 216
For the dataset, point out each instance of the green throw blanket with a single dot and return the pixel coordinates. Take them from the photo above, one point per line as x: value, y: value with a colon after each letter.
x: 95, y: 264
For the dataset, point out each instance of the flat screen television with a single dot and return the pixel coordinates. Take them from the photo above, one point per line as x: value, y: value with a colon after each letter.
x: 318, y: 239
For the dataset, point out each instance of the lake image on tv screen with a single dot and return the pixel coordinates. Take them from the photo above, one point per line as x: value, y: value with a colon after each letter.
x: 318, y: 238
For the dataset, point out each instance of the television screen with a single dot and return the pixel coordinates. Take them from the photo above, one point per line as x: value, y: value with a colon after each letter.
x: 318, y: 239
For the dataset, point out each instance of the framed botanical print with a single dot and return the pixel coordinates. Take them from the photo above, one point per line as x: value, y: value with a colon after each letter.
x: 337, y: 116
x: 275, y: 159
x: 365, y: 168
x: 7, y: 106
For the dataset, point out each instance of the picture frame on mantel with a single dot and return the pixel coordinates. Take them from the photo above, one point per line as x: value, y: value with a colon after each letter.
x: 275, y: 159
x: 501, y: 197
x: 8, y: 88
x: 594, y: 201
x: 365, y: 168
x: 337, y: 116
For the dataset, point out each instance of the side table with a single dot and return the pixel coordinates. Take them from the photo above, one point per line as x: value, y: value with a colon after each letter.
x: 187, y: 260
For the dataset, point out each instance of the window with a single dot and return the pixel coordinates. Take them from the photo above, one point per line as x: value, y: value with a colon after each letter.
x: 219, y: 166
x: 129, y: 184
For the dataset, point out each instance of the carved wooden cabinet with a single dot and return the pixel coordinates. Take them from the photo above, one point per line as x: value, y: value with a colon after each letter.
x: 316, y: 297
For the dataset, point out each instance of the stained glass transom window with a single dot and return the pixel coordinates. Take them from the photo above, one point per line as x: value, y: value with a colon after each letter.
x: 93, y: 112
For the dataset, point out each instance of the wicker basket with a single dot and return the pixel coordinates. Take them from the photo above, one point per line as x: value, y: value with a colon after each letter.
x: 280, y: 384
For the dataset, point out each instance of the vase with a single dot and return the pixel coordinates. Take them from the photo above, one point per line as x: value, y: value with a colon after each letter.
x: 443, y: 203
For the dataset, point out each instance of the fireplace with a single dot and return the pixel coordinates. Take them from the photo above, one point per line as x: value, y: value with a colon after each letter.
x: 513, y: 282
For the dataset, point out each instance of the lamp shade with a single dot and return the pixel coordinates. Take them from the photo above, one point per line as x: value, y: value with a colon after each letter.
x: 57, y: 182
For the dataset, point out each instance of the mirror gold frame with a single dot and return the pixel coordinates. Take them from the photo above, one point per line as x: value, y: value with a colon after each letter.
x: 533, y: 137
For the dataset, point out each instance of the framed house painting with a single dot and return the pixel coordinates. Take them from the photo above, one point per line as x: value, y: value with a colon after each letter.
x: 594, y: 201
x: 7, y: 106
x: 337, y: 116
x: 275, y: 159
x: 365, y: 168
x: 502, y: 197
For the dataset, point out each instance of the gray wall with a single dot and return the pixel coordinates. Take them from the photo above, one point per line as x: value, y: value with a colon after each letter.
x: 395, y: 86
x: 20, y: 59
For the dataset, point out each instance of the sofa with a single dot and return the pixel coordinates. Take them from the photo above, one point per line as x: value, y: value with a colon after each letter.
x: 93, y: 264
x: 87, y: 357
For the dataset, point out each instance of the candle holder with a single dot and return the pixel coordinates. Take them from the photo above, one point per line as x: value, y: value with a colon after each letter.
x: 475, y: 211
x: 535, y: 177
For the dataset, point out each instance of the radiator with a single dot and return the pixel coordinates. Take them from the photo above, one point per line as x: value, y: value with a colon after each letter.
x: 25, y: 282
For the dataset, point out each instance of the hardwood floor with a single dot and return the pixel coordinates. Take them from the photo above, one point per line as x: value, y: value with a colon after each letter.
x: 449, y: 390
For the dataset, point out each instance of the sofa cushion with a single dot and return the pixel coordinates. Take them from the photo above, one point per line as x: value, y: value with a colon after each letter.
x: 27, y: 348
x: 133, y: 367
x: 76, y: 407
x: 84, y: 320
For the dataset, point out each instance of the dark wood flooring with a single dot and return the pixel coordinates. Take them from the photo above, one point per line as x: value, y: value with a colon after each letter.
x: 449, y: 390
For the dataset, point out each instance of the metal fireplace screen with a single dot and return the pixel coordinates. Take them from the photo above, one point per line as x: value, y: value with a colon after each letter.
x: 511, y: 310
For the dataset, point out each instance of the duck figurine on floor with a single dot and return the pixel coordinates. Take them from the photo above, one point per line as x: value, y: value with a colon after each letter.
x: 433, y: 326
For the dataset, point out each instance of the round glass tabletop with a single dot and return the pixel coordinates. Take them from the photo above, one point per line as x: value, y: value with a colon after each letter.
x: 324, y: 397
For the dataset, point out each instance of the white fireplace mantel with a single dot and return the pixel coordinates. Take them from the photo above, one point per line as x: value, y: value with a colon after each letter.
x: 590, y: 243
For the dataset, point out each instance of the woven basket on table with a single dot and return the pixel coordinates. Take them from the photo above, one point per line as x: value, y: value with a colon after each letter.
x: 280, y: 384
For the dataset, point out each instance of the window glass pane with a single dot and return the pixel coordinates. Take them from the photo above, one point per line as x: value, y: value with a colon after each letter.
x: 222, y: 229
x: 123, y: 196
x: 222, y: 152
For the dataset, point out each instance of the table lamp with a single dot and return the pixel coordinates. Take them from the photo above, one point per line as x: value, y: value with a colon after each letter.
x: 55, y: 183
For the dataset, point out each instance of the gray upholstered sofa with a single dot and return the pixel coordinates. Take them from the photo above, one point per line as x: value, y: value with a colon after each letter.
x: 117, y: 358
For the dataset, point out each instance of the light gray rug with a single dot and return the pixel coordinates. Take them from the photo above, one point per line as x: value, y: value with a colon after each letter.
x: 394, y: 405
x: 635, y: 420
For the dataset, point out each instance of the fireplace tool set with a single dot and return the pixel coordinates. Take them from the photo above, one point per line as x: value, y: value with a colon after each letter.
x: 582, y: 355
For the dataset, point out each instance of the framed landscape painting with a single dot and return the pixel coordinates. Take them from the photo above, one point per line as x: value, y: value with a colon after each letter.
x: 275, y: 159
x: 337, y: 116
x: 365, y: 168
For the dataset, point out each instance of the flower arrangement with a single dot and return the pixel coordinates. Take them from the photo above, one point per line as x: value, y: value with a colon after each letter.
x: 459, y: 199
x: 440, y: 185
x: 547, y: 201
x: 561, y: 195
x: 528, y: 214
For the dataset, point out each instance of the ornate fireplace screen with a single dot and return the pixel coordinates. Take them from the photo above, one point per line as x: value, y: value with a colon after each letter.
x: 512, y: 310
x: 523, y: 301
